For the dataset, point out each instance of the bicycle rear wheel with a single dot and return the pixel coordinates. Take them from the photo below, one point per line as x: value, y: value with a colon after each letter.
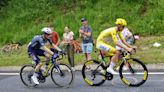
x: 26, y: 73
x: 136, y: 73
x: 93, y: 73
x: 62, y: 75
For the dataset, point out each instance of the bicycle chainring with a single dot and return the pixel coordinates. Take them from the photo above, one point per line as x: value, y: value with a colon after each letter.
x: 109, y: 76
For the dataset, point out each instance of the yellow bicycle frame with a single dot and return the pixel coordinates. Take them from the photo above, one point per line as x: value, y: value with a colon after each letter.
x: 47, y: 70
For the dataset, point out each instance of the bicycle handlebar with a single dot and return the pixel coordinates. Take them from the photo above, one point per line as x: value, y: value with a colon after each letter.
x: 61, y: 56
x: 124, y: 53
x: 57, y: 56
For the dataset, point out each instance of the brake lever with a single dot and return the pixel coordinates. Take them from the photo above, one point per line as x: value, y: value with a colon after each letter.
x: 130, y: 52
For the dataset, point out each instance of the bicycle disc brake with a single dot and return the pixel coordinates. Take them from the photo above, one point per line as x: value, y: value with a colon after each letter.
x: 29, y: 77
x: 42, y: 79
x: 109, y: 76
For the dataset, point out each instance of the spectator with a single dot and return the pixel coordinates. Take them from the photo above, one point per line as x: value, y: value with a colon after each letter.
x: 127, y: 35
x: 54, y: 36
x: 86, y: 35
x: 68, y: 42
x: 55, y: 40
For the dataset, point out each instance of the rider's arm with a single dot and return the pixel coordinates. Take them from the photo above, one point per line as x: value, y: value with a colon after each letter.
x: 56, y: 47
x: 47, y: 50
x: 131, y: 47
x: 117, y: 42
x: 121, y: 45
x: 128, y: 45
x: 123, y: 40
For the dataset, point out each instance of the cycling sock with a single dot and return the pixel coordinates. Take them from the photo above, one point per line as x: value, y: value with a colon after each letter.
x: 112, y: 64
x: 35, y: 74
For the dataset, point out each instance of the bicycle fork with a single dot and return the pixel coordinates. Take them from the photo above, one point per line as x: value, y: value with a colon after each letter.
x: 59, y: 70
x: 126, y: 63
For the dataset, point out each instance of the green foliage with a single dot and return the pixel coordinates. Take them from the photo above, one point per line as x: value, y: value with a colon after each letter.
x: 22, y: 19
x: 145, y: 52
x: 3, y: 3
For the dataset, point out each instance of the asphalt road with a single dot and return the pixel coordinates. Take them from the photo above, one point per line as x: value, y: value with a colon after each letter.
x: 10, y: 83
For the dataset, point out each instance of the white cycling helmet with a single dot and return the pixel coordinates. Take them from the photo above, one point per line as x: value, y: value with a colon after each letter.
x: 46, y: 30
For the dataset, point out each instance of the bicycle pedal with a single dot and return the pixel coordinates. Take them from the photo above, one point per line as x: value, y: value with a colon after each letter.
x: 109, y: 76
x: 62, y: 74
x: 42, y: 81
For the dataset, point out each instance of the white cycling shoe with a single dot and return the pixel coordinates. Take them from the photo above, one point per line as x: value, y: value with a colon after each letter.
x: 35, y: 79
x: 110, y: 70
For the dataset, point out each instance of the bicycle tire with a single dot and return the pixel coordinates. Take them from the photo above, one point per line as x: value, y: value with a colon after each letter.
x: 133, y: 64
x: 58, y: 79
x: 99, y: 67
x: 24, y: 70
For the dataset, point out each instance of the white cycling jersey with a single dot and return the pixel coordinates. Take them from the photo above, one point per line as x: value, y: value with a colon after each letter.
x: 125, y: 33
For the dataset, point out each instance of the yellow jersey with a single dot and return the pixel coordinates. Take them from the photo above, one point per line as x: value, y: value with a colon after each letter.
x: 110, y: 32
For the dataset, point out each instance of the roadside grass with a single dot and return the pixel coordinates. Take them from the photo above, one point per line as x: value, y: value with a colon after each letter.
x: 145, y: 52
x: 144, y: 17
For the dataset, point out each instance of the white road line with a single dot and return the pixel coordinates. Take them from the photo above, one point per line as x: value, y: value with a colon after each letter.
x: 159, y: 73
x: 139, y: 73
x: 9, y: 73
x: 151, y: 73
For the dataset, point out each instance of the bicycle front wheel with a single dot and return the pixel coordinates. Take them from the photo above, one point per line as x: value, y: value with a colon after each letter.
x: 93, y: 73
x: 26, y: 73
x: 133, y: 73
x: 62, y: 75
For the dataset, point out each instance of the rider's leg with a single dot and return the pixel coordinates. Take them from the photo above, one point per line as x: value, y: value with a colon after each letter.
x: 114, y: 59
x: 48, y: 58
x: 35, y: 58
x: 110, y: 51
x: 38, y: 63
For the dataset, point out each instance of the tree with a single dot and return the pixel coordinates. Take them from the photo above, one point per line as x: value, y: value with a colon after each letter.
x: 3, y: 3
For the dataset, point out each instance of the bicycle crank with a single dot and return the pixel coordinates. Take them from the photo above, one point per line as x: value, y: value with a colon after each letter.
x: 109, y: 76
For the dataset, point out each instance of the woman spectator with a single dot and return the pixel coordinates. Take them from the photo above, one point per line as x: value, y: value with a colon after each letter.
x: 68, y: 42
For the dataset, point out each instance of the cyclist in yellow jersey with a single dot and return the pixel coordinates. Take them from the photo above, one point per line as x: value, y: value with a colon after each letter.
x: 107, y: 48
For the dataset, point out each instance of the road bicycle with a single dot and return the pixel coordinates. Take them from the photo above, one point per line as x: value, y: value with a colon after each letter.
x: 94, y: 71
x: 61, y: 74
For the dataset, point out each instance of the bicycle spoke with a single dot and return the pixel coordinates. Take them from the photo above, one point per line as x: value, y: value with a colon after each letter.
x: 92, y: 73
x: 136, y: 73
x: 62, y: 75
x: 26, y: 74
